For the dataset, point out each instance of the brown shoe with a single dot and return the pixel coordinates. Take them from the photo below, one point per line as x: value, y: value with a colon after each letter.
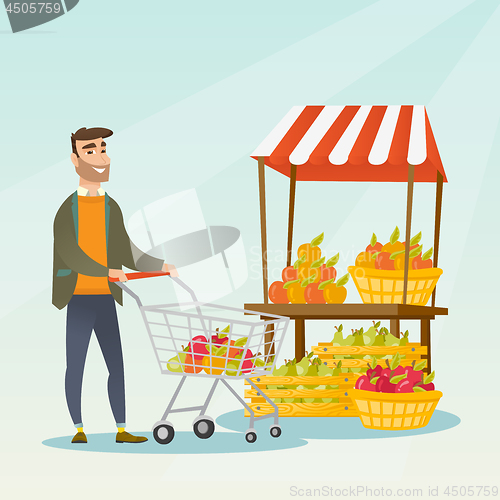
x: 125, y: 437
x: 80, y: 437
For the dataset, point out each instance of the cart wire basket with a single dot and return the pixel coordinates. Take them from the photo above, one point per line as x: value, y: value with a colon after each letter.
x: 210, y: 341
x: 393, y: 412
x: 379, y: 286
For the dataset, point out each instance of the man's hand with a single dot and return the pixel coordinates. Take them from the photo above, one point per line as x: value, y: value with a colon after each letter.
x: 169, y: 268
x: 117, y: 273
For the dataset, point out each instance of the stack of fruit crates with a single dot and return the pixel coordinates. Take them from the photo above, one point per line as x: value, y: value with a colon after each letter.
x: 284, y: 390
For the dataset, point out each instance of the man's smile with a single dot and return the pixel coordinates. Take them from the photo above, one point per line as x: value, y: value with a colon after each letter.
x: 100, y: 170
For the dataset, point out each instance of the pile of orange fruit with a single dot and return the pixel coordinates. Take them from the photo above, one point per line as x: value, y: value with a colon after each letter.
x: 391, y: 256
x: 310, y: 280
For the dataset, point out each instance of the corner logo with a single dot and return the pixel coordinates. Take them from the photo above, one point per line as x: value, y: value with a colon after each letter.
x: 26, y: 15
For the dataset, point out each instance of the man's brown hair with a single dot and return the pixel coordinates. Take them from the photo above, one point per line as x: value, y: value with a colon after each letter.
x: 87, y: 134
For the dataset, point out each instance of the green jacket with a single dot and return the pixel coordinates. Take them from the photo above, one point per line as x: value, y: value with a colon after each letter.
x: 70, y: 259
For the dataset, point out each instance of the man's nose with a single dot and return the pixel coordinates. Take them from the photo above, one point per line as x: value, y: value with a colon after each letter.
x: 101, y: 159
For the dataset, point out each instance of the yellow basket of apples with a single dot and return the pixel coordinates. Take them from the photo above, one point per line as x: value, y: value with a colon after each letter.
x: 395, y: 398
x: 379, y: 272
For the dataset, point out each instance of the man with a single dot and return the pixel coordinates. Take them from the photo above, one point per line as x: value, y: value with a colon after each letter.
x: 90, y: 245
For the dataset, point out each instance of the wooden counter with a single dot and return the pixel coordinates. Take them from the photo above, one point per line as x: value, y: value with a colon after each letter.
x: 392, y: 312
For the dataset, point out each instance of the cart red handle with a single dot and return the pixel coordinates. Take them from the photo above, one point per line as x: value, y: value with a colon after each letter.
x: 139, y: 275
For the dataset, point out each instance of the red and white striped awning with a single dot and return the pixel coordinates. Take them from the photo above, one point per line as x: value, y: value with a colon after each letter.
x: 353, y: 143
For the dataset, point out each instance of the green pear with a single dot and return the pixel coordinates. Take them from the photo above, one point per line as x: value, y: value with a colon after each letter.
x: 176, y: 363
x: 324, y: 371
x: 358, y: 342
x: 348, y: 340
x: 338, y: 369
x: 369, y: 335
x: 312, y: 372
x: 302, y: 366
x: 281, y: 371
x: 338, y: 338
x: 291, y: 370
x: 379, y: 341
x: 232, y: 368
x: 390, y: 339
x: 403, y: 341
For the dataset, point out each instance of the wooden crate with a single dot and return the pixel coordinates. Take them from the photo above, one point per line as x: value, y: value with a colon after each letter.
x: 344, y: 408
x: 326, y: 352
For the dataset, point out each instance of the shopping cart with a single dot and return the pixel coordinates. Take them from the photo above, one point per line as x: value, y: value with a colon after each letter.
x: 210, y: 341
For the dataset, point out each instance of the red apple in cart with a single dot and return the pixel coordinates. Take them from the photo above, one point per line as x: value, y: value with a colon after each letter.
x: 217, y: 341
x: 278, y: 294
x: 197, y: 347
x: 247, y: 365
x: 313, y: 295
x: 220, y: 336
x: 289, y: 274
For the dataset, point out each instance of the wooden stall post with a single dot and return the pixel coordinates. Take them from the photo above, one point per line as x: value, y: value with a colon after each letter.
x: 425, y: 340
x: 437, y: 225
x: 409, y: 207
x: 300, y: 339
x: 263, y: 231
x: 395, y: 327
x: 291, y: 211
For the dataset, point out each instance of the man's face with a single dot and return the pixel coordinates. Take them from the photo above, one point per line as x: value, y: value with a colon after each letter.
x: 92, y: 163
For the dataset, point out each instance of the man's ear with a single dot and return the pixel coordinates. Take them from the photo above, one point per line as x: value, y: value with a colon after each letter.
x: 74, y: 159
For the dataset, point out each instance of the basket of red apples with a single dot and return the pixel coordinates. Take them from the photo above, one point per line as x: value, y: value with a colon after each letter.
x: 395, y: 397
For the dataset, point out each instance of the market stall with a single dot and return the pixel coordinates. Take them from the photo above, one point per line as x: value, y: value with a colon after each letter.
x: 356, y: 144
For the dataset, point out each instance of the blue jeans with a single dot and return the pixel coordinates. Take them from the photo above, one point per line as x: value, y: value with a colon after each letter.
x: 98, y: 313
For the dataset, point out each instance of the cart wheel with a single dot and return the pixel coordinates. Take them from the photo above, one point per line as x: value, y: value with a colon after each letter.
x: 251, y: 437
x: 204, y: 428
x: 163, y: 433
x: 275, y: 431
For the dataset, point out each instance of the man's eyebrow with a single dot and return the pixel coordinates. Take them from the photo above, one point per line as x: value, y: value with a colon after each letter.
x: 88, y: 146
x: 103, y: 144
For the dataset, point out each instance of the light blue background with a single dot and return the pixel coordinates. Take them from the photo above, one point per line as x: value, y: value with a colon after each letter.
x: 190, y: 89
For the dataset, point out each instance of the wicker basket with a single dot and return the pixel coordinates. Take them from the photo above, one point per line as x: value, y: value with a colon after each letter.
x: 393, y: 412
x: 378, y: 286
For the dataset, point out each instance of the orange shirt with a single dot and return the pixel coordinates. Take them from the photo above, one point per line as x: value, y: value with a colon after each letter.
x: 92, y: 240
